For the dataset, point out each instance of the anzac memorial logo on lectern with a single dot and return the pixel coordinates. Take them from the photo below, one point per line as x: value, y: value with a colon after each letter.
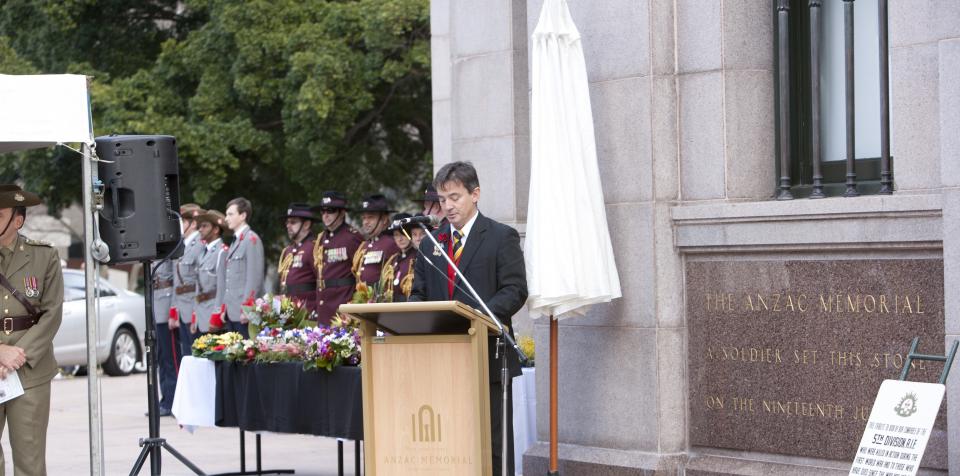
x: 426, y: 425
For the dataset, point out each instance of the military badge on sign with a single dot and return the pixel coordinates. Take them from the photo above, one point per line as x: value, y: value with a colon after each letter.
x: 30, y: 287
x: 336, y: 255
x: 907, y: 405
x: 373, y: 257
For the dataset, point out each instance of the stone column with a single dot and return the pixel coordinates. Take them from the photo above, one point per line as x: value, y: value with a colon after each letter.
x: 481, y: 102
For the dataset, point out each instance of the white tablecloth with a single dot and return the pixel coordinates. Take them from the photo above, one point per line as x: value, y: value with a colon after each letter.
x: 195, y: 404
x: 524, y: 415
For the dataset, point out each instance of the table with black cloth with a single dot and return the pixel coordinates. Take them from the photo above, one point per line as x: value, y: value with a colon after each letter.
x: 283, y: 398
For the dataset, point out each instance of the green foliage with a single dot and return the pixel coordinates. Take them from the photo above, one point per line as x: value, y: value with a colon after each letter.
x: 272, y: 100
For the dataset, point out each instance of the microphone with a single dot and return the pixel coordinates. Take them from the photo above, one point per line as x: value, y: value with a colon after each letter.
x: 432, y: 220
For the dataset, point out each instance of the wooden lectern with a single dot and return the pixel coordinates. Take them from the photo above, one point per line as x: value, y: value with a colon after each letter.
x: 426, y: 388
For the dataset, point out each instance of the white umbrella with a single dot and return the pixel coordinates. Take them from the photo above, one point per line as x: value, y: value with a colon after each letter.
x: 42, y: 111
x: 569, y: 257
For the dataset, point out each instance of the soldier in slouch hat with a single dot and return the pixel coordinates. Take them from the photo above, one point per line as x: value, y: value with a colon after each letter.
x: 396, y: 279
x: 32, y: 288
x: 185, y: 274
x: 378, y: 244
x: 297, y: 272
x: 209, y: 307
x: 333, y: 250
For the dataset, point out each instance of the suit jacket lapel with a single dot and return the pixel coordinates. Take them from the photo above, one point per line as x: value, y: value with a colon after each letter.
x: 235, y: 246
x: 473, y: 241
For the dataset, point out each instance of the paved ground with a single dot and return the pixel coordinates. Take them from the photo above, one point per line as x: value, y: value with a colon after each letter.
x: 214, y: 450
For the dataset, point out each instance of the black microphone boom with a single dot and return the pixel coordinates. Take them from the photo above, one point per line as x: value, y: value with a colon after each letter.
x: 432, y: 220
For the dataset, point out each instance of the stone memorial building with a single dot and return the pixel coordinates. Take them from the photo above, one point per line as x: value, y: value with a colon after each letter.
x: 753, y: 332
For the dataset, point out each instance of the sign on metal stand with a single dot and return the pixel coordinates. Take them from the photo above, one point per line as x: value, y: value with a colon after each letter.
x: 901, y: 421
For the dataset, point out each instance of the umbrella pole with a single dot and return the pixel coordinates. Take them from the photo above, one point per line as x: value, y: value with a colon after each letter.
x: 554, y: 433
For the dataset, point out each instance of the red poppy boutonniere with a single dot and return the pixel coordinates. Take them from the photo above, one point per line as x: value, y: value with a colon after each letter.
x: 443, y: 239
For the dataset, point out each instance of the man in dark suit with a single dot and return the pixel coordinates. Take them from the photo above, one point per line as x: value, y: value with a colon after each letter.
x: 489, y: 255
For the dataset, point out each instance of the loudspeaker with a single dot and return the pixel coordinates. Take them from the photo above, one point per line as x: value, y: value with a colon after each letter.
x: 141, y: 182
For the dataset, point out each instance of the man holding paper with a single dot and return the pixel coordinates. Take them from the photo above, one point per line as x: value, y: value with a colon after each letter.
x: 31, y: 283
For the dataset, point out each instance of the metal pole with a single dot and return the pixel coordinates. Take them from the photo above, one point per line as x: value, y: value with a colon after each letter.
x: 554, y: 399
x: 783, y: 58
x: 886, y: 176
x: 851, y: 111
x: 93, y: 382
x: 815, y: 37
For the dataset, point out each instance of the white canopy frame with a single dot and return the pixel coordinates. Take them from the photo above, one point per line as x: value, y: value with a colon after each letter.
x: 44, y: 111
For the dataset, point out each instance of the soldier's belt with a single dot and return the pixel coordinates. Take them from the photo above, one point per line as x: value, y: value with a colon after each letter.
x: 186, y: 288
x: 18, y: 323
x: 337, y: 283
x: 204, y: 297
x: 162, y: 284
x: 300, y: 288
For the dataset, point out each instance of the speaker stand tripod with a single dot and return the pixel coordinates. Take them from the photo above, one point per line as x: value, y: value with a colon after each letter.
x: 154, y: 443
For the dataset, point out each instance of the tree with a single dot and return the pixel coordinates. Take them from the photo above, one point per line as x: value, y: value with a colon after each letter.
x: 272, y: 100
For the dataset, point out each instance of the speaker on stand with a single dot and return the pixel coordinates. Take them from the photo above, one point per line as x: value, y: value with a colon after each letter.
x: 138, y: 222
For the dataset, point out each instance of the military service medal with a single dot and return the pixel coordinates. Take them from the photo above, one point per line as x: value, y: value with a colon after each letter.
x: 30, y: 287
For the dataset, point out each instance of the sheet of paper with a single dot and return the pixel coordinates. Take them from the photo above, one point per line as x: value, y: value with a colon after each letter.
x: 10, y: 387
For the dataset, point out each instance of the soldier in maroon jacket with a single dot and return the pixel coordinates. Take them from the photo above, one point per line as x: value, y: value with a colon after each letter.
x: 333, y: 251
x: 298, y: 274
x: 378, y: 244
x: 396, y: 279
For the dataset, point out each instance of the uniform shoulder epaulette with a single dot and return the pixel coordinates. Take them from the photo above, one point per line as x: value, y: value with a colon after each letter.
x: 38, y: 243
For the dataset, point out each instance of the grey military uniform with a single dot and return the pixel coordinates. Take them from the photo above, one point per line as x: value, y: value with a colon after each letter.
x: 185, y: 275
x: 162, y: 291
x: 209, y: 295
x: 243, y: 276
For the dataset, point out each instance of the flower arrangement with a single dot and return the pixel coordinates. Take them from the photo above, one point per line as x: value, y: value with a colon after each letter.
x: 316, y: 347
x: 528, y: 347
x: 366, y: 293
x: 276, y: 312
x: 329, y: 347
x: 215, y: 346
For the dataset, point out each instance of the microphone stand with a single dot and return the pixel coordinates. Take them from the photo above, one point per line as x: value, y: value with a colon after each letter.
x: 501, y: 350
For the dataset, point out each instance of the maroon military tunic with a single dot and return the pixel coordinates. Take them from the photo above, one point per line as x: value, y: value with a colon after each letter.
x: 402, y: 279
x: 334, y: 252
x: 375, y: 252
x: 298, y: 274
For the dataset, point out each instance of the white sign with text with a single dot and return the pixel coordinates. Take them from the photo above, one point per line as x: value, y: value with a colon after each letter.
x: 899, y: 427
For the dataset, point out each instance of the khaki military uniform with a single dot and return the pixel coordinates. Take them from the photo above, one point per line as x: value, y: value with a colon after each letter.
x: 33, y: 269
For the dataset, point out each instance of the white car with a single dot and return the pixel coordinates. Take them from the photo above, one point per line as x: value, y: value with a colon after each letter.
x: 120, y: 333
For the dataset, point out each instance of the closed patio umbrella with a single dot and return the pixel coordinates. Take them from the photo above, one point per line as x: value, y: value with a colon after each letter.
x: 569, y: 256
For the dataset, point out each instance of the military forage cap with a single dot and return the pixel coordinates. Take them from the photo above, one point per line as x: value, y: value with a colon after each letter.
x: 375, y: 203
x: 190, y: 211
x: 214, y: 218
x: 299, y: 210
x: 13, y: 196
x: 332, y: 200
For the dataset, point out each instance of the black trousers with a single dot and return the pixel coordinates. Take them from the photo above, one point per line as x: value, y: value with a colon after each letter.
x: 168, y: 361
x: 496, y: 400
